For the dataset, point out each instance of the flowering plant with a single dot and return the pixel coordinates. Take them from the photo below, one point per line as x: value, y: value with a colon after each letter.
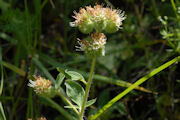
x: 89, y: 20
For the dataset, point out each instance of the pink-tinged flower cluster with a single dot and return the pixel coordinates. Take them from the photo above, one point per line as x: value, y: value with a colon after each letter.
x: 42, y: 86
x: 80, y: 17
x: 93, y: 45
x: 99, y: 18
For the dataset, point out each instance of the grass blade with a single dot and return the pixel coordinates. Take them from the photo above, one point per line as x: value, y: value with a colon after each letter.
x: 2, y: 77
x: 14, y: 68
x: 119, y: 83
x: 8, y: 38
x: 2, y: 114
x: 140, y: 81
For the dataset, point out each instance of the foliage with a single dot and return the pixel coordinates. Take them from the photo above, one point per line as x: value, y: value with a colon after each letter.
x: 36, y: 39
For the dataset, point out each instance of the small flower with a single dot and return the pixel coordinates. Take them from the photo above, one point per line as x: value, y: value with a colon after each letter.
x: 83, y: 21
x: 114, y: 19
x: 163, y: 21
x: 42, y: 86
x: 99, y: 17
x: 93, y: 45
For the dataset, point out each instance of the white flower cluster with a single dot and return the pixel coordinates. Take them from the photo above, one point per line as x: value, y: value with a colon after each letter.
x: 42, y: 86
x: 99, y: 18
x: 94, y: 43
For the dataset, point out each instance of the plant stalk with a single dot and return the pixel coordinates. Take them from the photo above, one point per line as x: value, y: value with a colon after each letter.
x: 87, y: 89
x: 65, y: 99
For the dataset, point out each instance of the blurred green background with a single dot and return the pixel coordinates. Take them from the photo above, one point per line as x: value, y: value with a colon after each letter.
x: 35, y: 39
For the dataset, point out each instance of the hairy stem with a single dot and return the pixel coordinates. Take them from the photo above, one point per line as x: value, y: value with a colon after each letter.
x: 87, y: 88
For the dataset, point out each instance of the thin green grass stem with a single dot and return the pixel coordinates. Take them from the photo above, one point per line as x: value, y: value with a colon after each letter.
x: 169, y: 41
x: 87, y: 88
x: 2, y: 114
x: 29, y: 113
x: 43, y: 4
x: 140, y: 81
x: 174, y: 7
x: 65, y: 99
x: 175, y: 10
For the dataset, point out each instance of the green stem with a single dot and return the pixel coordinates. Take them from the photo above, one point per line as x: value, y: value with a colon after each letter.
x: 174, y: 7
x: 140, y: 81
x: 155, y: 8
x: 87, y: 88
x: 43, y: 4
x: 175, y: 10
x: 169, y: 41
x: 65, y: 99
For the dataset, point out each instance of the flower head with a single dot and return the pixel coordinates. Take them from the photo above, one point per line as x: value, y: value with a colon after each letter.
x: 42, y: 86
x: 99, y: 18
x: 93, y: 45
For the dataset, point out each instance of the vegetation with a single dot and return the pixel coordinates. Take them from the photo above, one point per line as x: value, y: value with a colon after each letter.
x: 114, y: 60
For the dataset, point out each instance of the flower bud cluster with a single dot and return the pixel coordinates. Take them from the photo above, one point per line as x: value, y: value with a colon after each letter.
x: 42, y: 86
x: 99, y: 18
x: 93, y: 45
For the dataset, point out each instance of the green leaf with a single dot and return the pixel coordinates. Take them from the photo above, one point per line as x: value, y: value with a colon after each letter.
x: 4, y: 5
x: 75, y: 92
x: 64, y: 72
x: 59, y: 80
x: 76, y: 76
x: 89, y: 103
x: 77, y: 107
